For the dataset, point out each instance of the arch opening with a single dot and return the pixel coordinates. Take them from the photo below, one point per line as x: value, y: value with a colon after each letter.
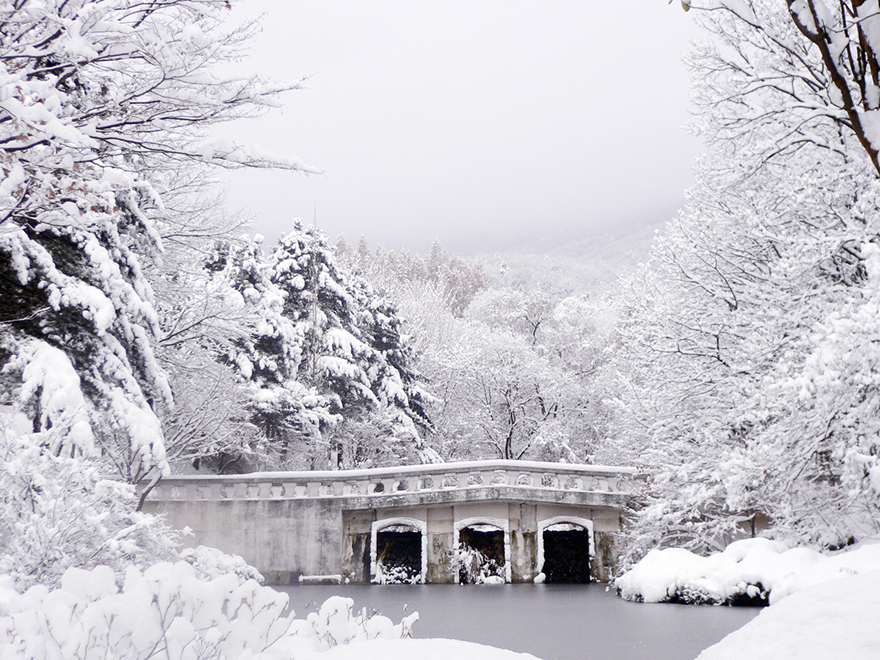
x: 566, y: 553
x: 482, y: 554
x: 398, y: 552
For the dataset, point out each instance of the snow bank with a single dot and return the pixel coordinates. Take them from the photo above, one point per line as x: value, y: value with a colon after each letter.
x: 422, y: 649
x: 835, y: 619
x: 168, y: 612
x: 751, y: 571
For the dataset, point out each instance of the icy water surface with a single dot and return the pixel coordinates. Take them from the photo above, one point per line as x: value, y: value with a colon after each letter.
x: 552, y: 622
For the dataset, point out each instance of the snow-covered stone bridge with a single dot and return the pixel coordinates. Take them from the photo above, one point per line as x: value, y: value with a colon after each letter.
x: 479, y: 521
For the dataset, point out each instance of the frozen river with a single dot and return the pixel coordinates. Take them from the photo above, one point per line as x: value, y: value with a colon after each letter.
x: 553, y: 622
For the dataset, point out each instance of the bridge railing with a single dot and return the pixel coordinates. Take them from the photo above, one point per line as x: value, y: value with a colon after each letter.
x: 381, y: 482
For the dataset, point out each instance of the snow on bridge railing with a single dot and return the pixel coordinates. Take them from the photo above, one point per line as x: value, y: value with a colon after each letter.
x: 379, y: 482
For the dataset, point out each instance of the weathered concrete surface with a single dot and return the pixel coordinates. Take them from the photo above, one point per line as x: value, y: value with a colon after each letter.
x: 356, y: 533
x: 290, y: 525
x: 490, y: 494
x: 441, y: 553
x: 523, y: 536
x: 605, y: 559
x: 283, y: 539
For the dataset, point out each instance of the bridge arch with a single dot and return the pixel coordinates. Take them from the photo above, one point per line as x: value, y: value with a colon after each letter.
x: 502, y: 524
x: 414, y: 523
x: 547, y: 524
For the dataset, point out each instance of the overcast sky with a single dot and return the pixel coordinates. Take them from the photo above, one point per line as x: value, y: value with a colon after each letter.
x: 487, y: 124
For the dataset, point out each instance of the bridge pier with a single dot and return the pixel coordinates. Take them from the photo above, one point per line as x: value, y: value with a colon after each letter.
x: 441, y: 537
x: 306, y: 525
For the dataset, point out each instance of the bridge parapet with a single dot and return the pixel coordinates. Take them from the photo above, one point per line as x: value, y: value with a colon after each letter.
x: 407, y: 484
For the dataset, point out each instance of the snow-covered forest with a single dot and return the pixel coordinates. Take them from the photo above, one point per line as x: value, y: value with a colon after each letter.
x: 144, y: 331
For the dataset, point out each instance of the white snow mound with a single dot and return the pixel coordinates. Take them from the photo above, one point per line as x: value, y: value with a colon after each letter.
x: 756, y: 568
x: 835, y: 619
x: 420, y: 649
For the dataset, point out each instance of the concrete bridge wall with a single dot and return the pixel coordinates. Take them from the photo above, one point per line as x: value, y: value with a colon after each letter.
x: 290, y: 525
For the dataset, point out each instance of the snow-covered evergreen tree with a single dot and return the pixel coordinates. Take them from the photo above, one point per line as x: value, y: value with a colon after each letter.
x: 353, y: 348
x: 97, y: 99
x: 324, y: 356
x: 267, y: 351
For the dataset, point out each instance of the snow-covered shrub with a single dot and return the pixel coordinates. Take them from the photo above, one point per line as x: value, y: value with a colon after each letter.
x: 168, y: 612
x: 334, y: 624
x: 58, y: 512
x: 396, y: 574
x: 751, y: 571
x: 212, y: 563
x: 475, y: 567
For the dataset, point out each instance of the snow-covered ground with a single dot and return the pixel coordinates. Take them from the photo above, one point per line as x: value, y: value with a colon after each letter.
x: 831, y: 620
x: 420, y: 649
x: 821, y: 606
x: 756, y: 568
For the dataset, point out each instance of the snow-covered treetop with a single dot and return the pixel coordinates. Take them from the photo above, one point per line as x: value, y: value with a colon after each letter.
x: 108, y: 79
x: 820, y: 58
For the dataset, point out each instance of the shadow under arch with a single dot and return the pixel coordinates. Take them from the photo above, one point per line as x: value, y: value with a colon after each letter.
x: 381, y: 530
x: 566, y: 555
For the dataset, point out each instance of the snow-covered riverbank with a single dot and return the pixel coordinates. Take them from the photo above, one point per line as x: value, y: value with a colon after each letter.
x: 834, y: 619
x: 758, y: 569
x: 821, y: 606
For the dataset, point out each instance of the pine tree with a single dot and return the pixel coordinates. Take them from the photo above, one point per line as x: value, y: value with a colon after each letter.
x: 323, y: 355
x: 352, y: 349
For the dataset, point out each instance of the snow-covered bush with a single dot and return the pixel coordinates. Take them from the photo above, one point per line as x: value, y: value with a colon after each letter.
x: 58, y: 512
x: 396, y: 574
x: 475, y: 567
x: 212, y: 563
x: 751, y: 571
x: 335, y: 623
x: 168, y: 612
